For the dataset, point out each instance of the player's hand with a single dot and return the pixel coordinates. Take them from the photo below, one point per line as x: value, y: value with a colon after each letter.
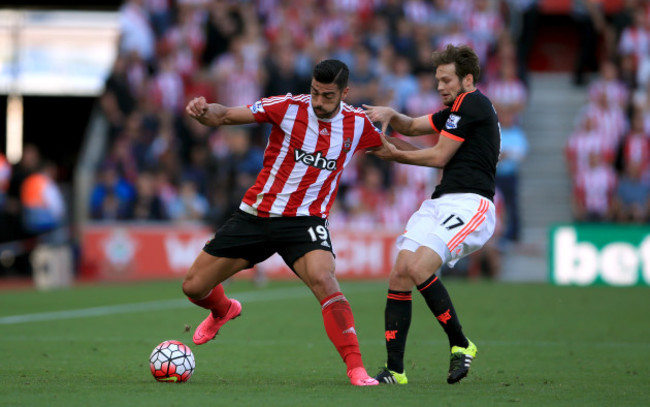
x: 197, y: 108
x: 387, y: 151
x: 381, y: 114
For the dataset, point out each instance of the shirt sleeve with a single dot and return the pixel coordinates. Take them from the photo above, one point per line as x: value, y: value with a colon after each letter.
x: 438, y: 119
x: 270, y: 110
x: 370, y: 137
x: 462, y: 116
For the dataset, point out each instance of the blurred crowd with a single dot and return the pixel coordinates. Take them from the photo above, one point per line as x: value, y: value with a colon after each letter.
x: 608, y: 152
x: 162, y: 165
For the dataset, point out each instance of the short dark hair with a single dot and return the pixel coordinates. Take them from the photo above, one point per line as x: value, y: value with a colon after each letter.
x: 332, y: 71
x: 463, y: 57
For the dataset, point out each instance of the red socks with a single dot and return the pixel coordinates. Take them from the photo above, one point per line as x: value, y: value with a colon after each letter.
x: 339, y: 325
x: 216, y: 301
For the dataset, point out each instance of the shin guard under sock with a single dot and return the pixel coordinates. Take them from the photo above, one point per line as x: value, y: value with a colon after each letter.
x: 216, y: 301
x: 339, y: 325
x: 397, y: 320
x: 437, y: 298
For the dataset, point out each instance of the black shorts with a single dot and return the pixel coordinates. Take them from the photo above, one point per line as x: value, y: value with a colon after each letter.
x: 249, y: 237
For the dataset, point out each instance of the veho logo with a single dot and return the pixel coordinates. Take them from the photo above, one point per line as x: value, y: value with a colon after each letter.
x: 315, y: 160
x: 582, y: 263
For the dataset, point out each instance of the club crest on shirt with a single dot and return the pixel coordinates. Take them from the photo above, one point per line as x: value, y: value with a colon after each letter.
x: 257, y: 107
x: 452, y: 121
x: 347, y: 144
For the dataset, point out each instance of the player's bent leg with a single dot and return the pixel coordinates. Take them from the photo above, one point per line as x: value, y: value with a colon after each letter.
x: 207, y: 272
x: 316, y: 269
x: 203, y: 288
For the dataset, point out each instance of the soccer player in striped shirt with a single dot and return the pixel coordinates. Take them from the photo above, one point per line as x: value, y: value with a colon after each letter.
x: 313, y: 138
x: 460, y: 216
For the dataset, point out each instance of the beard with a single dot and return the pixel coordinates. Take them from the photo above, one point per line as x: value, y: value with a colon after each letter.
x: 451, y: 101
x: 324, y: 114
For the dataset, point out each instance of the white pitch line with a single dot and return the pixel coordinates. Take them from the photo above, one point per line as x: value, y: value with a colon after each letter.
x: 245, y: 296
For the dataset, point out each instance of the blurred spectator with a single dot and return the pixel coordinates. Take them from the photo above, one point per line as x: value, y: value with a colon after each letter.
x: 165, y: 143
x: 137, y: 35
x: 189, y: 204
x: 200, y: 164
x: 427, y: 99
x: 590, y: 22
x: 238, y: 80
x: 377, y: 36
x: 401, y: 83
x: 634, y: 43
x: 111, y: 196
x: 392, y: 11
x: 281, y: 66
x: 43, y: 204
x: 586, y: 139
x: 29, y: 163
x: 364, y: 198
x: 121, y: 156
x: 523, y: 15
x: 5, y: 177
x: 609, y: 84
x: 168, y: 88
x: 485, y: 25
x: 593, y: 191
x: 608, y: 118
x: 632, y: 199
x: 363, y: 80
x: 160, y: 15
x: 514, y: 148
x: 403, y: 41
x: 507, y: 92
x: 456, y: 34
x: 223, y: 24
x: 118, y: 99
x: 238, y: 163
x: 441, y: 17
x: 147, y: 205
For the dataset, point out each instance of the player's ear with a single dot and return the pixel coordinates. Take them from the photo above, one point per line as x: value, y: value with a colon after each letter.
x: 468, y: 80
x: 345, y: 92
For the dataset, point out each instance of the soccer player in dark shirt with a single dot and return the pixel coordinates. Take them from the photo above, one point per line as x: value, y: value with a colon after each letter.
x: 460, y: 216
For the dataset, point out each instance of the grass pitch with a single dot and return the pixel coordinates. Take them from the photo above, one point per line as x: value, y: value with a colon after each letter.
x: 538, y: 345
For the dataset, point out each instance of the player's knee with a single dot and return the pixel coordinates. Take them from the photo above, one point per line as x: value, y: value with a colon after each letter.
x: 414, y: 271
x: 322, y: 280
x: 192, y: 288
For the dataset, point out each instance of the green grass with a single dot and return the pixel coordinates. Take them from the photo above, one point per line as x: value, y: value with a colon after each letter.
x: 538, y: 346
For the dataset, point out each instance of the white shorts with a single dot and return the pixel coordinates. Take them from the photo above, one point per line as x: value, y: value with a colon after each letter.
x: 453, y: 226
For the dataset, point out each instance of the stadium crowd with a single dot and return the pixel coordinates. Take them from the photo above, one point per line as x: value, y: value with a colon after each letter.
x: 160, y: 165
x: 608, y: 152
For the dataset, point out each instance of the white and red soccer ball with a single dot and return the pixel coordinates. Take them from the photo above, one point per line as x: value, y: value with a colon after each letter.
x: 172, y: 361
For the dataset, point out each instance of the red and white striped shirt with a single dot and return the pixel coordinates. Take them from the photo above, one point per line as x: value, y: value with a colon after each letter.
x: 305, y: 156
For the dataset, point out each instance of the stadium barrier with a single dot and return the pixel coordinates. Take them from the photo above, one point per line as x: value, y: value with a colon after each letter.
x: 125, y: 252
x: 599, y: 254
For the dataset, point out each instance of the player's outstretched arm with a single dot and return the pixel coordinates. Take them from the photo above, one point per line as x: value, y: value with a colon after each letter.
x: 401, y: 123
x: 403, y: 152
x: 214, y: 114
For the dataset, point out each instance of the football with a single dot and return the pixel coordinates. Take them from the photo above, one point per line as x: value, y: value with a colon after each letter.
x: 172, y: 361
